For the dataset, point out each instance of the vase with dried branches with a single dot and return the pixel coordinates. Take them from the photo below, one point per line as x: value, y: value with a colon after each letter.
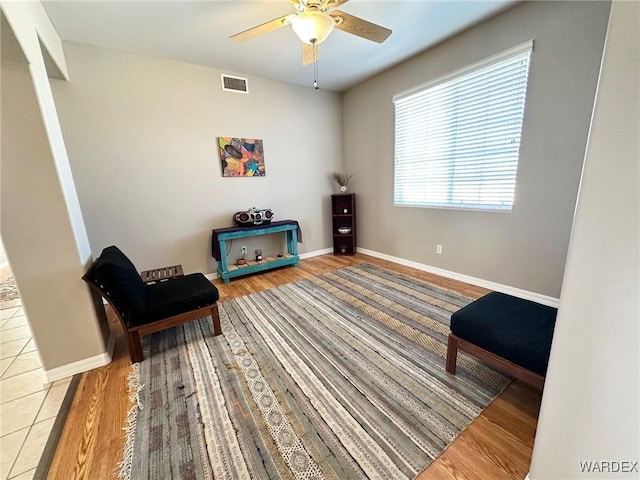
x: 342, y: 179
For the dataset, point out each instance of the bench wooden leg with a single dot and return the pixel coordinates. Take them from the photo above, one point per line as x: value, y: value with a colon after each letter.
x: 499, y: 363
x: 135, y: 348
x: 452, y: 354
x: 217, y: 330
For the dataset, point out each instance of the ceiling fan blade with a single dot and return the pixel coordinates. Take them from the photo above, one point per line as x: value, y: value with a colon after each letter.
x: 263, y: 28
x: 308, y: 54
x: 331, y: 4
x: 361, y: 28
x: 299, y: 5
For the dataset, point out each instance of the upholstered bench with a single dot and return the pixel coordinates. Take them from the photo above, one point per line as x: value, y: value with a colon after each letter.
x: 508, y: 333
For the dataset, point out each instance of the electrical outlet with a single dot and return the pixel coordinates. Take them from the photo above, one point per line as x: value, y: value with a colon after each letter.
x: 438, y: 249
x: 243, y: 249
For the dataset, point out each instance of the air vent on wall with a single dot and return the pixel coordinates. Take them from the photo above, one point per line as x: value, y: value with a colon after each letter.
x: 234, y: 84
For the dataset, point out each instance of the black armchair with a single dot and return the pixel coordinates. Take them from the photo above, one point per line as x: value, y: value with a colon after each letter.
x: 146, y: 308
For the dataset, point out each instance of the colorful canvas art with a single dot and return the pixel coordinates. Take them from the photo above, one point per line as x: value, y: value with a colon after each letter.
x: 241, y: 157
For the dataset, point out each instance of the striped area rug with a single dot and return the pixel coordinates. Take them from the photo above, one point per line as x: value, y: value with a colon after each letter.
x: 340, y: 376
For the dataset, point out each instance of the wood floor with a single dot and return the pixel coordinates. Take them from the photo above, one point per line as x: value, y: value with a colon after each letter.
x: 496, y: 446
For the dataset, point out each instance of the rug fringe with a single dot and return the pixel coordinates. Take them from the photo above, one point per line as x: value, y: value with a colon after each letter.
x: 123, y: 471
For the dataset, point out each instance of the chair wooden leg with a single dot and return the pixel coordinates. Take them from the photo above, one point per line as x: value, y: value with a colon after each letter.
x: 452, y: 354
x: 217, y: 330
x: 135, y: 348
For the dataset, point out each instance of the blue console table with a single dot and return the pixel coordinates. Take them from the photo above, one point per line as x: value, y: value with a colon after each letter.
x: 221, y: 235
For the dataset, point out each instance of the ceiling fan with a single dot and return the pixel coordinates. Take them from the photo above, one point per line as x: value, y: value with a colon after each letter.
x: 313, y: 22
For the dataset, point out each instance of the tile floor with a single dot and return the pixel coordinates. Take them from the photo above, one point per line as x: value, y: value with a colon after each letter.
x: 28, y: 407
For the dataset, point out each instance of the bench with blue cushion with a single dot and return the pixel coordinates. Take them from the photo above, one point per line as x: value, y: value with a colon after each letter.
x: 144, y: 308
x: 508, y: 333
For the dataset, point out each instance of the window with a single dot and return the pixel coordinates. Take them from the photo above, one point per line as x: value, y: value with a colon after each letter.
x: 457, y: 138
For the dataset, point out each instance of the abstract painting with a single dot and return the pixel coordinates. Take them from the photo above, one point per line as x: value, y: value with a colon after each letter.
x: 241, y: 157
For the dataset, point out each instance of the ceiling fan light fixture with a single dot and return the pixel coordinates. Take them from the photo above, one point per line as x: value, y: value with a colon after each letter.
x: 312, y: 27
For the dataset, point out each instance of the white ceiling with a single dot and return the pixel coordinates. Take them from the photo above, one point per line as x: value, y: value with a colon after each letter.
x: 198, y: 32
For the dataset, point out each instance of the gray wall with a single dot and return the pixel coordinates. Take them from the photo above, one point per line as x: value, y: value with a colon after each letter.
x: 526, y: 248
x: 141, y: 137
x: 36, y: 227
x: 591, y: 403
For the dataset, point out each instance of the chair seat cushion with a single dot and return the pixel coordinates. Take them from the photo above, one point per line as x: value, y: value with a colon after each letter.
x: 176, y: 296
x: 515, y: 329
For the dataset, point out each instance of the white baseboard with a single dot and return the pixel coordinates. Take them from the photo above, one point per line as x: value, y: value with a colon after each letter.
x: 81, y: 366
x: 316, y: 253
x: 105, y: 358
x: 498, y: 287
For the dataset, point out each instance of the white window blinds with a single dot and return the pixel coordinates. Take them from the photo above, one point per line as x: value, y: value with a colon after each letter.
x: 457, y: 138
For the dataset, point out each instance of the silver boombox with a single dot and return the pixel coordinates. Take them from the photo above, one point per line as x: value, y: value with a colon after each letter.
x: 253, y: 216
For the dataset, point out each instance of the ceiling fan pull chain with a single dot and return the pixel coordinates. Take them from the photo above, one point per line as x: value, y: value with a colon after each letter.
x: 315, y: 66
